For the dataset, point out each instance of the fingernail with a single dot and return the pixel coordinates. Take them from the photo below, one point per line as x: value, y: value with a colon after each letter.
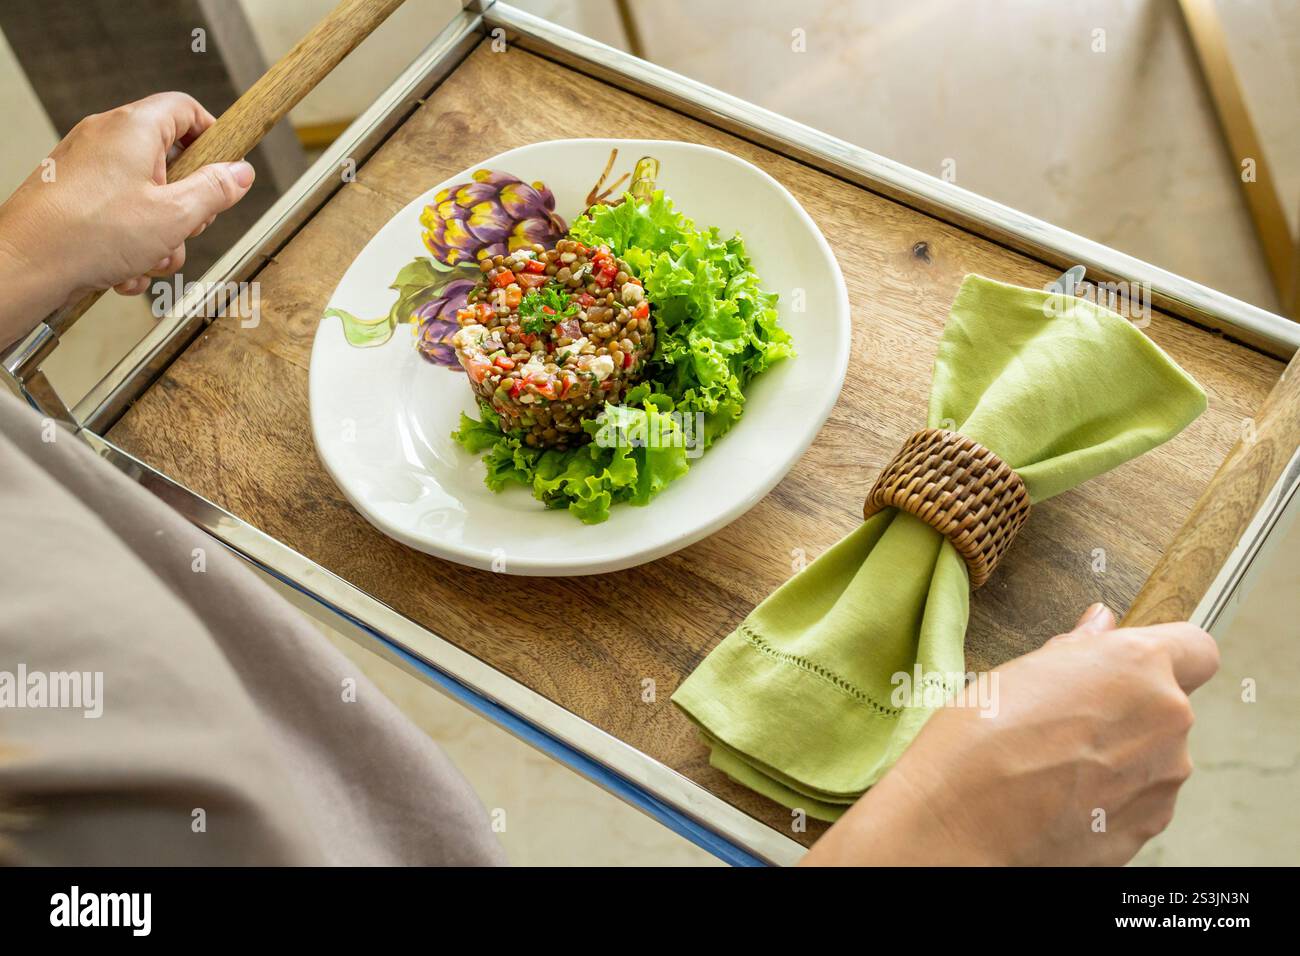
x: 243, y: 173
x: 1094, y: 615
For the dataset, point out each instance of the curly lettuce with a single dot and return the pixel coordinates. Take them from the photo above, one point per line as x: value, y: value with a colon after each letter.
x: 715, y: 329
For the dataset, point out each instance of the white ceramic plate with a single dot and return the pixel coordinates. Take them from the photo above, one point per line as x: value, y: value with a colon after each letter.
x: 382, y: 416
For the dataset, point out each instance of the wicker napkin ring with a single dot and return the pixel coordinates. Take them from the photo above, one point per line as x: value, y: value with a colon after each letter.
x: 961, y: 489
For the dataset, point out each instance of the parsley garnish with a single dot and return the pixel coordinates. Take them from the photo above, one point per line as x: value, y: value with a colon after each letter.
x: 535, y: 324
x: 535, y: 321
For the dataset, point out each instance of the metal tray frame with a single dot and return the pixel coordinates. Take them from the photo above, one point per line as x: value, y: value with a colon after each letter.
x: 659, y: 791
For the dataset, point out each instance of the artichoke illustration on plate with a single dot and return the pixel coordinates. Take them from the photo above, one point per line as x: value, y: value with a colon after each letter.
x: 493, y: 214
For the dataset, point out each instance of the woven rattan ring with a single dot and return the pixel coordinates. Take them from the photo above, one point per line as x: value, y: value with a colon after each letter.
x: 961, y: 489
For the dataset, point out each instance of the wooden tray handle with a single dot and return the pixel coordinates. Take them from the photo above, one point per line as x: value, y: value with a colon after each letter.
x: 265, y: 103
x: 1220, y: 517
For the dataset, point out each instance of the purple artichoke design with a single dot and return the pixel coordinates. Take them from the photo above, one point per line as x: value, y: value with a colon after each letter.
x: 436, y: 323
x: 494, y: 214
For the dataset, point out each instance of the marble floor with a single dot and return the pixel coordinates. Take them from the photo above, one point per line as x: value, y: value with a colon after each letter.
x: 1113, y: 139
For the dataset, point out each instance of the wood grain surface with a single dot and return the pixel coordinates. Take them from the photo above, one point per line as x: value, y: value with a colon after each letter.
x: 230, y: 420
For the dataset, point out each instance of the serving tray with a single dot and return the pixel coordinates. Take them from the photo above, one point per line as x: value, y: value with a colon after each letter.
x: 584, y: 668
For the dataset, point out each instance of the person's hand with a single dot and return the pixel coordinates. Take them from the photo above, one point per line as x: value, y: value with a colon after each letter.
x: 1080, y: 765
x: 102, y: 214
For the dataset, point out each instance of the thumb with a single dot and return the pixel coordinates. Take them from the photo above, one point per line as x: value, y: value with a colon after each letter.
x: 209, y: 190
x: 1096, y: 619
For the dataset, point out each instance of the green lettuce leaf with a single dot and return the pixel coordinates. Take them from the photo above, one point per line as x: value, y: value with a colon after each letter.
x: 635, y: 453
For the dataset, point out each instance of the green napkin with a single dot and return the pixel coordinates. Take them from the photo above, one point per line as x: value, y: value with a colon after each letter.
x: 799, y: 702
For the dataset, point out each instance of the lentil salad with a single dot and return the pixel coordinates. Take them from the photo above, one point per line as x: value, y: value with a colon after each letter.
x: 550, y: 336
